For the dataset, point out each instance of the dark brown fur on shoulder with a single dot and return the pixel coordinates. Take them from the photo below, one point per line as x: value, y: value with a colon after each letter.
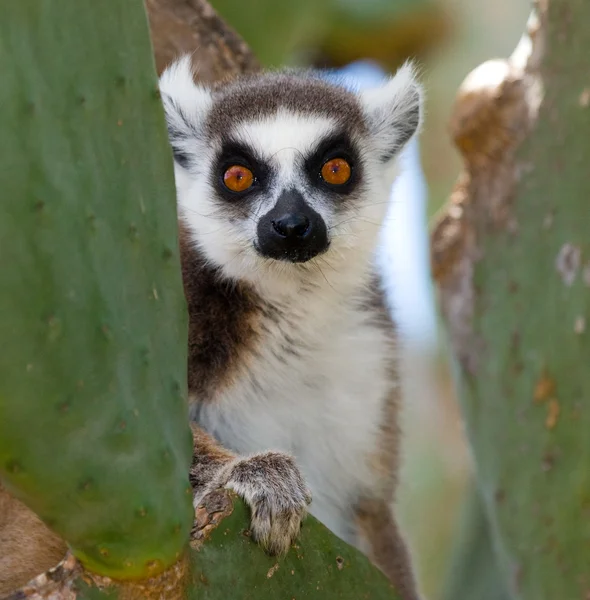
x: 222, y: 323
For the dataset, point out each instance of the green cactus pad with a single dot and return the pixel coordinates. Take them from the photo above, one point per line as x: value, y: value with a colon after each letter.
x: 228, y: 565
x: 93, y: 419
x: 318, y: 566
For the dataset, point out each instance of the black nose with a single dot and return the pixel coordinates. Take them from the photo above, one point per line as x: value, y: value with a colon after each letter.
x: 292, y: 230
x: 292, y: 225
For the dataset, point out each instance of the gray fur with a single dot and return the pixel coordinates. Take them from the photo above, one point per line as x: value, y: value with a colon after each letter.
x: 257, y: 96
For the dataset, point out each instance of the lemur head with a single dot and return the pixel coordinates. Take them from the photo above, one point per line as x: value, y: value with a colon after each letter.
x: 280, y: 172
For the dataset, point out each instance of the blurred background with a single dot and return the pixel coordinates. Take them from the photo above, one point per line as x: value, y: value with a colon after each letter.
x: 363, y: 40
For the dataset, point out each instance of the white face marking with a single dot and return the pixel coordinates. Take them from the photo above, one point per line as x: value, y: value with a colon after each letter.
x: 281, y: 137
x: 227, y: 237
x: 281, y: 141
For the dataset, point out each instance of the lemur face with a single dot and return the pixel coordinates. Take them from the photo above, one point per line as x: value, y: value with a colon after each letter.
x: 281, y: 169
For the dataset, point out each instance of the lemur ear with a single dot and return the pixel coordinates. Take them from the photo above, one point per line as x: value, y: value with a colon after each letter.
x: 186, y: 105
x: 394, y: 111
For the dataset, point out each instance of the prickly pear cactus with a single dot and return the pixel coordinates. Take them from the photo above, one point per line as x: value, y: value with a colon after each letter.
x: 512, y: 258
x: 93, y: 427
x: 319, y: 566
x: 224, y: 562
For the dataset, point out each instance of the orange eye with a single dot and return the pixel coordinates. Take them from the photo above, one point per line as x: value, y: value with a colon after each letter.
x: 336, y: 171
x: 238, y: 178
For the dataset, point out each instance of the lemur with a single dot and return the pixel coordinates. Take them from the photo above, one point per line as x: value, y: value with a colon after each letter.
x: 283, y: 182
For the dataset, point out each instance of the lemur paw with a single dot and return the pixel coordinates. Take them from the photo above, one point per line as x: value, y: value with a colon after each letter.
x: 272, y: 486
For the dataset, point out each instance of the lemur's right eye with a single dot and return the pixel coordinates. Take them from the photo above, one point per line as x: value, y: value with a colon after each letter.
x: 238, y: 178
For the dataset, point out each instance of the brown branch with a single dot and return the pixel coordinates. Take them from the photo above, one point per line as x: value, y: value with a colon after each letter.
x: 68, y: 579
x: 192, y: 26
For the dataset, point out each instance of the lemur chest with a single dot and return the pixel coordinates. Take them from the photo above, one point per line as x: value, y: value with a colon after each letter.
x: 318, y: 394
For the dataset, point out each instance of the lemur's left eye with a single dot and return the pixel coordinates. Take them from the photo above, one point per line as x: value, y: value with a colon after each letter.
x: 238, y: 178
x: 336, y: 171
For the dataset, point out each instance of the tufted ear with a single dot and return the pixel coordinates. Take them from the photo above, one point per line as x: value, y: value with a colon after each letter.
x: 394, y: 111
x: 186, y: 105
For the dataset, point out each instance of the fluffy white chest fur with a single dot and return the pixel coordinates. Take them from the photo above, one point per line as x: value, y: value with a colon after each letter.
x: 315, y: 388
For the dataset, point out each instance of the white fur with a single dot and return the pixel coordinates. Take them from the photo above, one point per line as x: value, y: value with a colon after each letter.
x: 325, y: 404
x: 281, y: 137
x: 387, y: 106
x: 177, y: 82
x: 185, y: 102
x: 324, y: 408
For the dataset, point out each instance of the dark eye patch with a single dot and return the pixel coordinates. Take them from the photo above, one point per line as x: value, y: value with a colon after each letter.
x: 238, y: 153
x: 338, y: 145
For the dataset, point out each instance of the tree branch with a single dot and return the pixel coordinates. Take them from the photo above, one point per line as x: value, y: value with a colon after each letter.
x: 68, y: 580
x: 192, y: 26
